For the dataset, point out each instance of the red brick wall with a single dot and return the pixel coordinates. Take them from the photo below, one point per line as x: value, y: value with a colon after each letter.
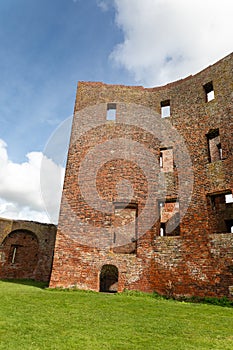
x: 26, y: 249
x: 118, y: 161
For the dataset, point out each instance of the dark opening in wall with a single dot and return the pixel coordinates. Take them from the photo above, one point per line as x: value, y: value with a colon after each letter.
x: 111, y: 111
x: 220, y: 212
x: 209, y: 91
x: 229, y: 225
x: 125, y: 228
x: 169, y: 211
x: 109, y: 279
x: 214, y: 146
x: 166, y: 160
x: 165, y: 109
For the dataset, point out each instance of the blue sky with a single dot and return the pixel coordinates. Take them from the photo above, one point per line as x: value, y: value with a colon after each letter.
x: 47, y: 46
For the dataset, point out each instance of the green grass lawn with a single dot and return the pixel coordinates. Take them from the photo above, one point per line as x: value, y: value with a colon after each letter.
x: 35, y: 318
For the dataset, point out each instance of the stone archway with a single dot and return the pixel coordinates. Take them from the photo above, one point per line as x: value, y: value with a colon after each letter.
x: 19, y: 255
x: 109, y: 279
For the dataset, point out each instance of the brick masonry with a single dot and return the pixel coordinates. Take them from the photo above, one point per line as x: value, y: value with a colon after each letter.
x: 26, y: 249
x: 117, y: 164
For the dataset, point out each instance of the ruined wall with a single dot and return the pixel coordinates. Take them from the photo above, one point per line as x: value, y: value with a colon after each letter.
x: 26, y: 249
x: 139, y: 160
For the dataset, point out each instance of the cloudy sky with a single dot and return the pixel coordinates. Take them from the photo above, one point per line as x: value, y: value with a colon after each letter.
x: 47, y: 46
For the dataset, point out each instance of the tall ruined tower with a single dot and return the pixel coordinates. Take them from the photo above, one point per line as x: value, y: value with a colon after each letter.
x: 147, y: 198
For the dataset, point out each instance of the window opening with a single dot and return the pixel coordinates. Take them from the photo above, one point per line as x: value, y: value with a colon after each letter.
x: 209, y: 91
x: 220, y: 212
x: 161, y: 159
x: 166, y: 159
x: 162, y: 229
x: 169, y: 218
x: 13, y: 255
x: 111, y: 111
x: 165, y: 109
x: 214, y: 146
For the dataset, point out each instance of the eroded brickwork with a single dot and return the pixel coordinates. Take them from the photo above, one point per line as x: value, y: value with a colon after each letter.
x: 26, y: 249
x: 181, y: 163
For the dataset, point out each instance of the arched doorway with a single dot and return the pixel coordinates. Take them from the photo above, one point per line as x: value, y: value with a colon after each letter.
x: 109, y: 279
x: 20, y: 253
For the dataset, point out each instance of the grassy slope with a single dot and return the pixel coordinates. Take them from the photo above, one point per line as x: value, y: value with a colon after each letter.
x: 35, y: 318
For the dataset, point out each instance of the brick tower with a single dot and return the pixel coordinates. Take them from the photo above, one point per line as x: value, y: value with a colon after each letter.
x: 147, y: 198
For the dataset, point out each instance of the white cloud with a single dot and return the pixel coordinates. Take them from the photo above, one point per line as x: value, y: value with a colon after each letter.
x: 20, y: 187
x: 165, y: 40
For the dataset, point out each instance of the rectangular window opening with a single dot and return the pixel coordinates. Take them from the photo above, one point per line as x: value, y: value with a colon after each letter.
x: 220, y: 212
x: 165, y: 109
x: 169, y: 212
x: 166, y: 159
x: 162, y: 229
x: 161, y: 156
x: 111, y: 111
x: 209, y: 91
x: 214, y: 146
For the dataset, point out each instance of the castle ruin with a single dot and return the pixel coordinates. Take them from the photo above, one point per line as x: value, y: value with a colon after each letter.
x: 147, y: 198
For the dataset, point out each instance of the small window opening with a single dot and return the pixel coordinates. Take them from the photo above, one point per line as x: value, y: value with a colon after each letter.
x: 161, y: 160
x: 220, y: 212
x: 166, y: 160
x: 111, y: 111
x: 13, y: 253
x: 165, y: 109
x: 214, y: 146
x: 162, y: 229
x: 169, y: 218
x: 209, y: 91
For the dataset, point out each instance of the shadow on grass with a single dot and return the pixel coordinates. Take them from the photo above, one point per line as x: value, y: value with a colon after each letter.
x: 27, y: 282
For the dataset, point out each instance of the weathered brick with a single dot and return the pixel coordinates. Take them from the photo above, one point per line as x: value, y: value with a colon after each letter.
x: 26, y: 249
x: 199, y: 260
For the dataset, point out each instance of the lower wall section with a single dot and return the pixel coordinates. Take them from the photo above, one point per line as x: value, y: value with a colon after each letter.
x: 26, y: 249
x: 81, y: 266
x: 195, y: 265
x: 174, y: 266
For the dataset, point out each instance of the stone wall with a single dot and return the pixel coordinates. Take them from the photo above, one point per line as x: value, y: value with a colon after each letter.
x: 26, y: 249
x: 145, y: 162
